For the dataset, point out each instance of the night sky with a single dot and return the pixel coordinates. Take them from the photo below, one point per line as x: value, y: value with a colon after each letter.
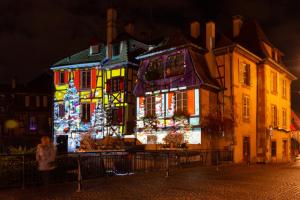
x: 36, y: 33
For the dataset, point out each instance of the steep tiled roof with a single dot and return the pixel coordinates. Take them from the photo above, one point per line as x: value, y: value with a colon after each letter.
x: 83, y: 57
x: 202, y: 70
x: 178, y: 38
x: 251, y: 37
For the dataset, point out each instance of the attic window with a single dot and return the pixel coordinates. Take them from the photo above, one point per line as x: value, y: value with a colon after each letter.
x: 175, y: 65
x: 94, y: 49
x: 116, y: 49
x: 154, y: 70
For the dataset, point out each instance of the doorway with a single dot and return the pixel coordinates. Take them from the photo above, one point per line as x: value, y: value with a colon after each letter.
x: 246, y: 149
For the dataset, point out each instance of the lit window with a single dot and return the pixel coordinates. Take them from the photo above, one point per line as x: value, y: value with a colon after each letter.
x: 175, y: 65
x: 246, y: 74
x: 45, y: 101
x: 283, y: 88
x: 37, y: 101
x: 32, y: 123
x: 116, y: 49
x: 27, y: 101
x: 181, y: 101
x: 273, y: 82
x: 149, y: 105
x: 246, y: 107
x: 274, y: 119
x: 85, y: 112
x: 85, y: 77
x: 283, y: 117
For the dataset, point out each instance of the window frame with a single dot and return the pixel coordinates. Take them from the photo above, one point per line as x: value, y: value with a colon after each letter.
x: 158, y: 66
x: 284, y: 117
x: 85, y: 112
x: 273, y: 148
x: 246, y: 74
x: 33, y: 123
x: 284, y: 93
x: 175, y: 65
x: 246, y: 107
x: 181, y: 101
x: 61, y: 77
x: 85, y: 79
x: 149, y: 103
x: 273, y: 82
x: 274, y: 115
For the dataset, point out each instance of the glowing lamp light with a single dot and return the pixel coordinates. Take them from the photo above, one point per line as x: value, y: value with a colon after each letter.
x: 11, y: 124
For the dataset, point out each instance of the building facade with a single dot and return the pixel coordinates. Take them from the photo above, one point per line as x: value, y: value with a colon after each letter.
x: 25, y: 112
x: 175, y: 91
x: 253, y: 100
x: 102, y: 77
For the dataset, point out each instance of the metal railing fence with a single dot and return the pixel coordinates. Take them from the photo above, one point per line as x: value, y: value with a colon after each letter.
x: 21, y: 170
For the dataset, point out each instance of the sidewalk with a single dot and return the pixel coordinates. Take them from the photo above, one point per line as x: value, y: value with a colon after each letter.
x: 230, y: 182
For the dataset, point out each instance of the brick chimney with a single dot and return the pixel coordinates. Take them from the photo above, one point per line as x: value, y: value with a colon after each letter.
x: 210, y: 35
x: 195, y: 29
x: 129, y: 28
x: 111, y: 29
x: 237, y: 22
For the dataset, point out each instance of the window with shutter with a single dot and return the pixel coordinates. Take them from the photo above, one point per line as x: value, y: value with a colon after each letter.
x: 246, y: 74
x: 274, y: 118
x: 283, y: 88
x: 85, y: 79
x: 61, y: 77
x: 283, y: 118
x: 273, y: 83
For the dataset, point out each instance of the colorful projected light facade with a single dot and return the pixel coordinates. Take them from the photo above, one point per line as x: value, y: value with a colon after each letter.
x: 86, y: 80
x: 173, y: 81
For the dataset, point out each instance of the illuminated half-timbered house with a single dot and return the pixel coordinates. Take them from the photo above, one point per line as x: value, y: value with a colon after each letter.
x: 101, y: 76
x: 174, y: 90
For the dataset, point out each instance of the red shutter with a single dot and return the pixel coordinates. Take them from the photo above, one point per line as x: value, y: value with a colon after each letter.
x: 93, y: 77
x: 121, y: 83
x: 66, y: 76
x: 108, y: 85
x: 56, y: 77
x: 93, y: 106
x: 120, y: 115
x: 77, y: 79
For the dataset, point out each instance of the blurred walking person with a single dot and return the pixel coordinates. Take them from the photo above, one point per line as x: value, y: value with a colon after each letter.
x: 45, y: 157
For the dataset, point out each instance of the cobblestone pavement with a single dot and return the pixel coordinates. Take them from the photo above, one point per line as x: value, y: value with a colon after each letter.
x: 230, y: 182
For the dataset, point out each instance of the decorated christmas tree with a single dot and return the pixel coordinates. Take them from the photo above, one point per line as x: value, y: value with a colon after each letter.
x: 72, y: 107
x: 99, y: 120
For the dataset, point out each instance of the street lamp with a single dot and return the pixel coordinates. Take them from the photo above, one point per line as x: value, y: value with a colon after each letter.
x: 270, y: 135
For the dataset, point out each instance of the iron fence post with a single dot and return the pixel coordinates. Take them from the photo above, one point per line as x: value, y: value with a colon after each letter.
x: 79, y: 177
x: 217, y: 153
x: 167, y: 165
x: 23, y: 172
